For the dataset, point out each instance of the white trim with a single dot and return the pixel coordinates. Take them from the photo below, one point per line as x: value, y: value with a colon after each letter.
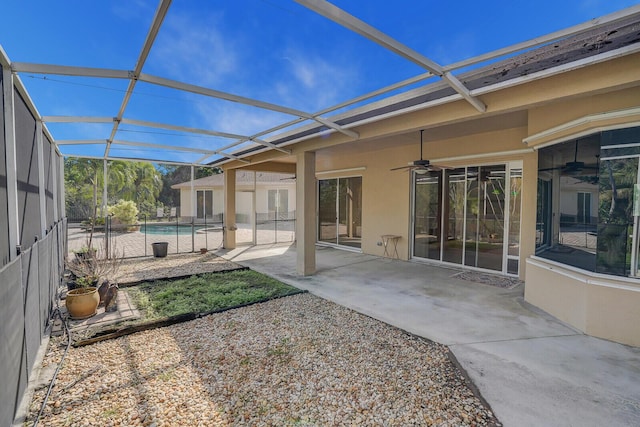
x: 588, y: 277
x: 586, y: 133
x: 626, y: 156
x: 361, y: 168
x: 616, y: 146
x: 484, y: 156
x: 585, y: 120
x: 338, y: 246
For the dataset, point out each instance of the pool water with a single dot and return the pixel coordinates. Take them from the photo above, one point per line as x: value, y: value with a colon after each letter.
x: 169, y: 230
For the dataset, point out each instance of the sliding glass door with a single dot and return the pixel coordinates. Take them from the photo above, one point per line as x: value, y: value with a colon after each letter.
x: 340, y: 211
x: 459, y: 216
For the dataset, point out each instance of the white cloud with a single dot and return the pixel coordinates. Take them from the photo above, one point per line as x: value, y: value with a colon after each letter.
x: 311, y: 82
x: 132, y: 9
x: 192, y: 51
x: 236, y: 118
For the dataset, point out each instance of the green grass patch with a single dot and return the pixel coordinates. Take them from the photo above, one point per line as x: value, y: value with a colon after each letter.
x: 205, y: 293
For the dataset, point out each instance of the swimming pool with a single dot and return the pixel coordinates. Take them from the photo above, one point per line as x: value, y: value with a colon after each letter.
x: 169, y: 229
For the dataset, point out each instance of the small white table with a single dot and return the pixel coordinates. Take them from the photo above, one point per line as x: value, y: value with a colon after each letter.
x: 390, y: 251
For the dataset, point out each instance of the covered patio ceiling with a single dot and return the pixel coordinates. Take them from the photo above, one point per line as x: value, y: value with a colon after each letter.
x: 128, y: 133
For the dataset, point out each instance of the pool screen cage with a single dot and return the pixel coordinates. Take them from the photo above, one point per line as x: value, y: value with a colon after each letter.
x: 141, y: 203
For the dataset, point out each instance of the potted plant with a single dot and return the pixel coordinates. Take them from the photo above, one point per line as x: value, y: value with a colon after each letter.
x: 82, y: 302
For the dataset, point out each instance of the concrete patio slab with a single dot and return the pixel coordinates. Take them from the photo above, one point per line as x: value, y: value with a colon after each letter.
x: 532, y: 369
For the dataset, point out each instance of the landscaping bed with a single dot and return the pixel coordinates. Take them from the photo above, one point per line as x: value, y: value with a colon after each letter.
x: 299, y: 360
x: 169, y: 301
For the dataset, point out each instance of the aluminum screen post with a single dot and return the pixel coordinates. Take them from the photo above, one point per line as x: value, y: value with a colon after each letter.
x: 10, y: 153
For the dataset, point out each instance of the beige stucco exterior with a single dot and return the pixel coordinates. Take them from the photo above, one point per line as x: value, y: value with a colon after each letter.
x: 244, y: 197
x: 602, y: 306
x: 519, y: 118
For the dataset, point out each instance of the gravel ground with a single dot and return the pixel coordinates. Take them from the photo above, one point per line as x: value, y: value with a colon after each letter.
x: 138, y: 269
x: 299, y: 360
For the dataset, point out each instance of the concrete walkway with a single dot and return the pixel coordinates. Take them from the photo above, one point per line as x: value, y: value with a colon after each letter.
x: 531, y: 368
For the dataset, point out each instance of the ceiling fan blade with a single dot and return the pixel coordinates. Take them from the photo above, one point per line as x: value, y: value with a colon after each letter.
x: 402, y: 167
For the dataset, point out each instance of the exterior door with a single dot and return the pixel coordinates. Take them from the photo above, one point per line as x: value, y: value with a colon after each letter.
x: 340, y: 211
x: 467, y: 215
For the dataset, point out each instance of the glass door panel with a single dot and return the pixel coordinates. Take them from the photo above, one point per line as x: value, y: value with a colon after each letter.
x: 491, y: 218
x: 427, y: 197
x: 454, y: 214
x: 208, y: 203
x: 327, y: 211
x: 515, y: 206
x: 199, y: 204
x: 349, y: 211
x: 472, y: 213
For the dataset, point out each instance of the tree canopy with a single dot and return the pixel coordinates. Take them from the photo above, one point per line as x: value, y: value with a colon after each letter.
x: 139, y: 182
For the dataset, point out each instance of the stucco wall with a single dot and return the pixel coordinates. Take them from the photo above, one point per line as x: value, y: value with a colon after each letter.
x: 386, y: 194
x: 244, y: 200
x: 604, y: 307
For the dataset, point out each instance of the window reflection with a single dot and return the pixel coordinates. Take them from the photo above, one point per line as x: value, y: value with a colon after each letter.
x: 587, y: 202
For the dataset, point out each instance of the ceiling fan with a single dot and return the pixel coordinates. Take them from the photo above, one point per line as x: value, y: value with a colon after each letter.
x: 421, y: 165
x: 574, y: 167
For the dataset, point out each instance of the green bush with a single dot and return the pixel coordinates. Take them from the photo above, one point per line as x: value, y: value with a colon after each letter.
x: 124, y: 212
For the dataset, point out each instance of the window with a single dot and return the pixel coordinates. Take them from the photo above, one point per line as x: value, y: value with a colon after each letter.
x: 340, y: 211
x: 204, y: 203
x: 588, y: 205
x: 278, y: 204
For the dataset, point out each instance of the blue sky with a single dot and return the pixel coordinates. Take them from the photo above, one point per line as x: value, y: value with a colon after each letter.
x: 271, y: 50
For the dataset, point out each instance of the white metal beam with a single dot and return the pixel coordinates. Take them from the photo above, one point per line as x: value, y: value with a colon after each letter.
x: 161, y: 12
x: 176, y: 148
x: 162, y: 146
x: 105, y: 184
x: 10, y: 158
x: 53, y: 164
x: 134, y: 159
x: 66, y: 70
x: 344, y: 104
x: 180, y: 128
x: 192, y: 193
x: 343, y: 18
x: 199, y: 90
x: 41, y: 180
x: 81, y: 141
x: 76, y: 119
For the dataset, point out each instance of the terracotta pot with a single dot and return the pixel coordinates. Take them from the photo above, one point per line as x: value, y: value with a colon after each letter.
x: 82, y: 303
